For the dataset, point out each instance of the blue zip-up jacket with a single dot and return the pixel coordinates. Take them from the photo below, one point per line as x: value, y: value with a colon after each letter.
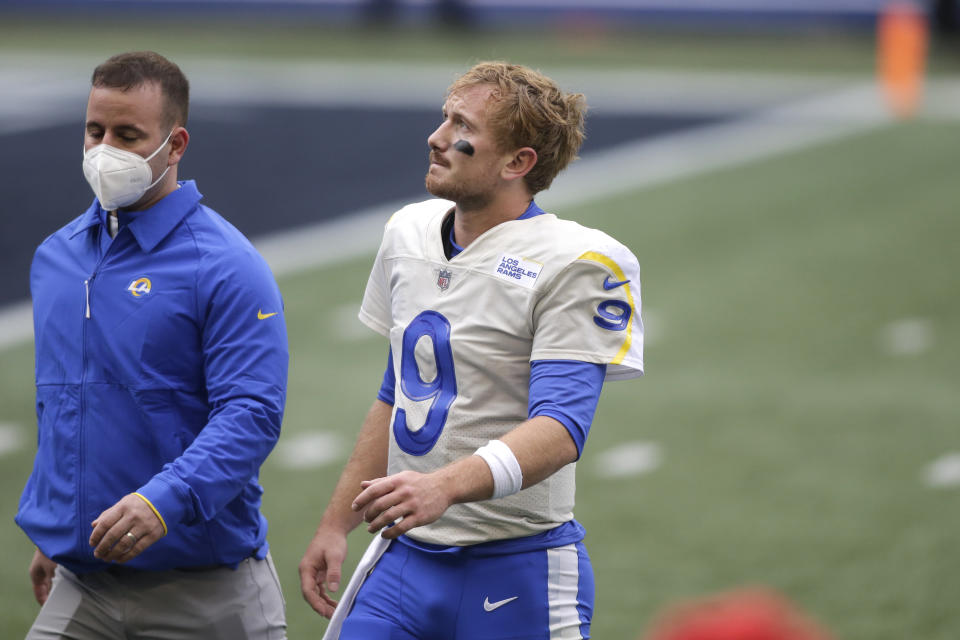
x: 161, y: 369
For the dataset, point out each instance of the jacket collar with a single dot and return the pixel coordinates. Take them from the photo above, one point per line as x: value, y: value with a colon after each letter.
x: 148, y: 226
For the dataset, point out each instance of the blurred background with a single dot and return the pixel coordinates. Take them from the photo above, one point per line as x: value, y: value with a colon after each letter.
x: 785, y: 170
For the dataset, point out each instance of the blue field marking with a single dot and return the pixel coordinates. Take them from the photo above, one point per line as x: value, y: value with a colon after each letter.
x: 265, y: 168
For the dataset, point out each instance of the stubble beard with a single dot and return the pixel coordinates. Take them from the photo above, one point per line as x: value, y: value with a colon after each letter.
x: 462, y: 194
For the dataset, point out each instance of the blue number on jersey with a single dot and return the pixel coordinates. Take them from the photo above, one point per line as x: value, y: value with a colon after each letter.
x: 613, y: 321
x: 442, y: 389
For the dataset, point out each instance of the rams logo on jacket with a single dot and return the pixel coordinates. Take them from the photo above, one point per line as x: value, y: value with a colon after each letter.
x: 139, y: 287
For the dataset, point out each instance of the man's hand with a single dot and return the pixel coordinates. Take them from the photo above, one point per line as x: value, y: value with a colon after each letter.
x: 41, y: 575
x: 320, y: 569
x: 416, y: 498
x: 132, y: 516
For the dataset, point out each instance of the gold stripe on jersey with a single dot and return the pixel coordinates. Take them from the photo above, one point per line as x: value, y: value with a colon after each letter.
x: 593, y: 256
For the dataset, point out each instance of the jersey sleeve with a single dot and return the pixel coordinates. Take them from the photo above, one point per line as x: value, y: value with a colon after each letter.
x: 567, y: 391
x: 375, y: 309
x: 591, y: 312
x: 388, y: 388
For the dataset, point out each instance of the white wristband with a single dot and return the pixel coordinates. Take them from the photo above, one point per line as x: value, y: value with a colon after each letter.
x: 507, y: 475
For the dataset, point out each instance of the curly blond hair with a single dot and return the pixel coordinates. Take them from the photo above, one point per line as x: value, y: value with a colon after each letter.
x: 528, y: 109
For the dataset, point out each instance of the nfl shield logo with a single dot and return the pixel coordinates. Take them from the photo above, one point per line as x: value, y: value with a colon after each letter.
x: 443, y: 279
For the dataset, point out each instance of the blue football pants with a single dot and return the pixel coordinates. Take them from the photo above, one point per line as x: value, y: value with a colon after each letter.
x: 415, y: 594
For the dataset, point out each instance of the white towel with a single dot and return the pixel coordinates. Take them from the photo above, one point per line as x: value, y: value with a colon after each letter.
x: 370, y: 557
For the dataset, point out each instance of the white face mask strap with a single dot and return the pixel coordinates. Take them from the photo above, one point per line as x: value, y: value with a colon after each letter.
x: 155, y: 151
x: 162, y: 145
x: 159, y: 178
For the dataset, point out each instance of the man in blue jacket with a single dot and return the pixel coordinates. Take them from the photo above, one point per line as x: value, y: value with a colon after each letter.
x: 161, y: 371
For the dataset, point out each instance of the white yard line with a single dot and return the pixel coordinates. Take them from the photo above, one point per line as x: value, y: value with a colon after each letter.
x: 44, y: 89
x: 763, y: 134
x: 788, y: 113
x: 620, y: 169
x: 40, y: 90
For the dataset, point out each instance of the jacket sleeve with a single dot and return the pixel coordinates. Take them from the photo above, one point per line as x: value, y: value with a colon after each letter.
x: 245, y: 359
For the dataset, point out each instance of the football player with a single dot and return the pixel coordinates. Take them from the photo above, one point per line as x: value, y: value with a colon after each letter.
x: 503, y: 322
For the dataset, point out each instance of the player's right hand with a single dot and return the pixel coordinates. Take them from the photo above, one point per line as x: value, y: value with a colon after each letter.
x: 41, y: 575
x: 320, y: 569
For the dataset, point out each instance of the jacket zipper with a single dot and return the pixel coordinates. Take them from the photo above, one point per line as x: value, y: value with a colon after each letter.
x: 83, y: 411
x: 87, y: 285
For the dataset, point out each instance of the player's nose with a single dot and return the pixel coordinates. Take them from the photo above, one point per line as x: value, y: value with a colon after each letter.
x: 437, y: 140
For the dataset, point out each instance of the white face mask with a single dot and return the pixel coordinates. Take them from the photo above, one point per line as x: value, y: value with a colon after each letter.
x: 119, y: 178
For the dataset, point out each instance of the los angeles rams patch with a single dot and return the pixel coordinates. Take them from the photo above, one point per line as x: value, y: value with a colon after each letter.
x: 140, y: 287
x: 518, y: 270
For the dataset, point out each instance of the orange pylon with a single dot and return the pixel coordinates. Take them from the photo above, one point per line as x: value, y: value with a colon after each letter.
x: 902, y: 38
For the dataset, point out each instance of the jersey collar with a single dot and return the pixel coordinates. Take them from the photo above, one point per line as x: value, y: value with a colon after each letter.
x: 532, y: 211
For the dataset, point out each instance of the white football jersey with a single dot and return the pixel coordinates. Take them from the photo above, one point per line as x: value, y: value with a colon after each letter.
x: 464, y: 331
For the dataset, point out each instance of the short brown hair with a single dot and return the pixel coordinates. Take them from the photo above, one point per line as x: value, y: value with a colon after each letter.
x: 128, y: 70
x: 530, y: 110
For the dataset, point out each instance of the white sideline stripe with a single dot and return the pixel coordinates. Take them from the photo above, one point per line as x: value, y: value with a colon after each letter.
x: 624, y: 168
x: 779, y: 130
x: 324, y: 243
x: 47, y: 89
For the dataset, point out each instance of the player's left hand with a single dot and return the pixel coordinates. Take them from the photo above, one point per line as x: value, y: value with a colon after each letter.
x: 41, y: 572
x: 415, y: 498
x: 130, y: 515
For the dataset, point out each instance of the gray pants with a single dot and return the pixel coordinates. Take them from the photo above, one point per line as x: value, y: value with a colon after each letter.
x: 124, y: 604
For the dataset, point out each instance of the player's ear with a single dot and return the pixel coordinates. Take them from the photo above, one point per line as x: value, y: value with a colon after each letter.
x: 179, y: 140
x: 519, y: 163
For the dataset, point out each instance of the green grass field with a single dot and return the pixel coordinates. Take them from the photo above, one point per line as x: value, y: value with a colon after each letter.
x: 794, y: 443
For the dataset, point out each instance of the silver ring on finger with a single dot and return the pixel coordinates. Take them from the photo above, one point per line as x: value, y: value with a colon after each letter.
x: 133, y: 538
